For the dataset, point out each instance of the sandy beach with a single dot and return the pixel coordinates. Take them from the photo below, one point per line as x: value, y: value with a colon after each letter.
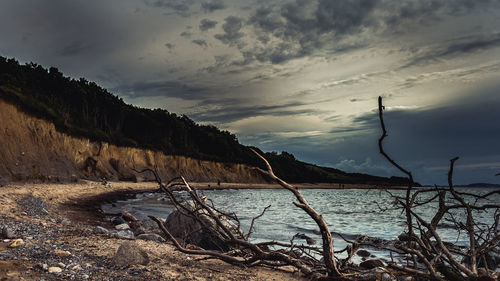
x: 67, y: 223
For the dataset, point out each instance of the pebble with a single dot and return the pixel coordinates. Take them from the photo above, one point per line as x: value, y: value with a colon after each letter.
x: 16, y: 243
x: 61, y: 253
x: 125, y: 233
x: 60, y: 264
x: 65, y: 222
x: 45, y: 266
x: 85, y: 276
x: 100, y: 229
x: 122, y: 226
x: 55, y: 269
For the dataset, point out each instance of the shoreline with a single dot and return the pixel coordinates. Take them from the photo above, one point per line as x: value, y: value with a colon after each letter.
x: 58, y: 227
x: 215, y: 186
x: 207, y: 185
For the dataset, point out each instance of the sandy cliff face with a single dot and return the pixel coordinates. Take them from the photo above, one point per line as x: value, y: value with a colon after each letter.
x: 31, y: 148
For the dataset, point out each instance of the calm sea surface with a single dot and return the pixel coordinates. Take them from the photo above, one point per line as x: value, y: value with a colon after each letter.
x: 350, y: 212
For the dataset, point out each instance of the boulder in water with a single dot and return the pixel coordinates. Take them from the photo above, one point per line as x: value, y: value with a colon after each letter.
x: 207, y: 234
x: 363, y: 253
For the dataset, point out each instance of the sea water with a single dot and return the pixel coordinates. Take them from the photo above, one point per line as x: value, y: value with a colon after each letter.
x: 350, y: 212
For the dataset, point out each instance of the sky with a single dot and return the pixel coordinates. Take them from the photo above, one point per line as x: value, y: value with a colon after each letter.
x: 301, y: 76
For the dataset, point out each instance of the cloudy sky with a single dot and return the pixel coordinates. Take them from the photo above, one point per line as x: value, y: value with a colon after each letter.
x: 295, y: 75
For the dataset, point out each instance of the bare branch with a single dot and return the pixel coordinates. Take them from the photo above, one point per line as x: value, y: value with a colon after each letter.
x: 253, y: 221
x: 328, y: 251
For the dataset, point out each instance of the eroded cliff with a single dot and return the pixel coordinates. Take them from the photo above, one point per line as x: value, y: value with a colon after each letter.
x: 32, y: 148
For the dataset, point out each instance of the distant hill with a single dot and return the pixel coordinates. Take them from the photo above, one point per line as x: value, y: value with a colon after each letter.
x: 479, y: 184
x: 83, y: 109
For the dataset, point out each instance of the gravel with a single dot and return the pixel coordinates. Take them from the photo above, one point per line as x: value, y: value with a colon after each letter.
x: 33, y: 206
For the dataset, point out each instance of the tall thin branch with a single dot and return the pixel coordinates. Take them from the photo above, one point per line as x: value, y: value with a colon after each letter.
x: 399, y: 167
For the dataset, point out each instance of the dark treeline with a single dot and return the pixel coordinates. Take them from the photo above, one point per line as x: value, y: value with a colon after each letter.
x: 82, y: 108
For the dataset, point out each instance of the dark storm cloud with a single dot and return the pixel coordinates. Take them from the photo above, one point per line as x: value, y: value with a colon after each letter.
x: 213, y: 6
x: 307, y: 26
x: 173, y: 89
x: 178, y: 6
x: 170, y: 46
x: 267, y: 20
x: 206, y: 24
x: 200, y: 42
x: 441, y: 132
x: 186, y: 34
x: 344, y: 17
x: 238, y: 112
x: 427, y: 11
x: 461, y: 46
x: 231, y: 27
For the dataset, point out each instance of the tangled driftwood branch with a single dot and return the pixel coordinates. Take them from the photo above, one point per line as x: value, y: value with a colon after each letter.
x: 433, y: 258
x: 240, y: 251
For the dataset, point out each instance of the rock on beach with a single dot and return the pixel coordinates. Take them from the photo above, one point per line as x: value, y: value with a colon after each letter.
x: 129, y: 254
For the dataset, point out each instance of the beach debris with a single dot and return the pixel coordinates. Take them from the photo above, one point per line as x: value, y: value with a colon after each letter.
x: 128, y: 216
x: 55, y: 269
x: 76, y: 267
x: 133, y: 222
x: 61, y: 253
x: 130, y: 253
x: 16, y: 243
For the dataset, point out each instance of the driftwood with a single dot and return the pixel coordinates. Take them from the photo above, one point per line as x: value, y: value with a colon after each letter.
x: 241, y: 251
x: 432, y: 257
x: 427, y: 256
